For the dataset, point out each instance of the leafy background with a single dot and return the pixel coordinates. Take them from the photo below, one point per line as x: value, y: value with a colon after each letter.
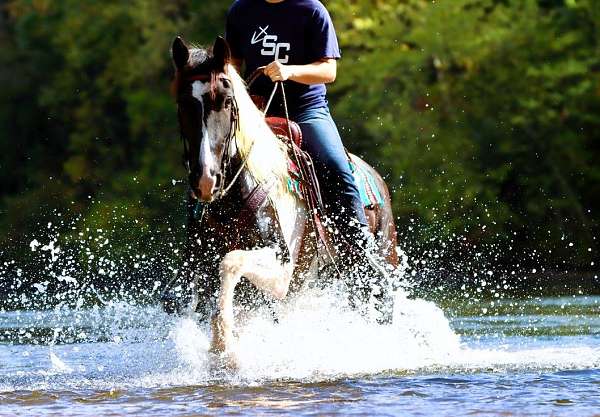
x: 484, y: 116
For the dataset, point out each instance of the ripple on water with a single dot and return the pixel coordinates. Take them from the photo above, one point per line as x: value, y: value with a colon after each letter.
x: 319, y: 356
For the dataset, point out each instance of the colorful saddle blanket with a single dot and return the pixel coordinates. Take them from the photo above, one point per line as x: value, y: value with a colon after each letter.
x: 367, y: 186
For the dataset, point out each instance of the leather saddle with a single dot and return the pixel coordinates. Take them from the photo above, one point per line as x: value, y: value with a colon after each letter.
x: 279, y: 126
x: 303, y: 177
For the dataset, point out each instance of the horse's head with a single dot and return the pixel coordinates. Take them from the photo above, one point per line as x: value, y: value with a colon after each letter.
x: 207, y: 113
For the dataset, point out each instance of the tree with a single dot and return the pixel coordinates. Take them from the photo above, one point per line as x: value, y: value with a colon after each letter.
x: 482, y: 111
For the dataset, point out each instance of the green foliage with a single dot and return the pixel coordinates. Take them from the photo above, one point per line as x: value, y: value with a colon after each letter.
x: 482, y: 113
x: 88, y: 116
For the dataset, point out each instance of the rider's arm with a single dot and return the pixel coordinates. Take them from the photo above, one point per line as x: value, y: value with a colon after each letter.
x: 318, y: 72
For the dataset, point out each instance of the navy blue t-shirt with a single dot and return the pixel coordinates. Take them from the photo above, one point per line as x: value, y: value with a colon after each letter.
x: 293, y: 32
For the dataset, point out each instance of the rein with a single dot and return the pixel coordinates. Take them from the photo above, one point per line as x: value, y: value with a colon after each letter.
x: 307, y: 171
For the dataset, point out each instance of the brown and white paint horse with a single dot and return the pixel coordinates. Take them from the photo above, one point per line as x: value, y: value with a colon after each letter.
x: 221, y: 127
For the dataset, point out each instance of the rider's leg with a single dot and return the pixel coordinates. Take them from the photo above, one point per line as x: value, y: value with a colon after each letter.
x: 340, y: 193
x: 338, y: 188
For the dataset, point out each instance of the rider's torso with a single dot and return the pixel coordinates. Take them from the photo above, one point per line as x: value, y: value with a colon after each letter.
x: 293, y: 32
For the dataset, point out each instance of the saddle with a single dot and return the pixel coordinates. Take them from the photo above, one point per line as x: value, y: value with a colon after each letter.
x: 303, y: 179
x: 365, y: 182
x: 279, y: 126
x: 302, y: 176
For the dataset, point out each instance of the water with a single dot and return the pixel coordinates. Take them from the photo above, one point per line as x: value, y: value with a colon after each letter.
x: 523, y: 358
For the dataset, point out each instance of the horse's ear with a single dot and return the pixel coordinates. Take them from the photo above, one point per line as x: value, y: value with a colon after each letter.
x: 221, y: 52
x: 180, y: 52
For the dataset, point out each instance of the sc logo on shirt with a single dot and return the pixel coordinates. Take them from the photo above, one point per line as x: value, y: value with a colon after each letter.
x: 270, y: 46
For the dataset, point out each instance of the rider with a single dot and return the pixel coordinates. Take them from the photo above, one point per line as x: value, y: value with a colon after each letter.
x: 295, y: 42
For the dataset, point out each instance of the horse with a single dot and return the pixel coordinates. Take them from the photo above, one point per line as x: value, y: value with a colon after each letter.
x: 244, y: 221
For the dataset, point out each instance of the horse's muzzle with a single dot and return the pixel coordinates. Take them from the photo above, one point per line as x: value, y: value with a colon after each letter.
x: 204, y: 186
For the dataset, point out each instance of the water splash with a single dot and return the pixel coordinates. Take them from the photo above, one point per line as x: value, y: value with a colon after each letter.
x: 58, y: 365
x: 316, y: 337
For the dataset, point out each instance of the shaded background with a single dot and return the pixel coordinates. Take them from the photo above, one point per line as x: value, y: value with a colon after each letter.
x: 484, y: 116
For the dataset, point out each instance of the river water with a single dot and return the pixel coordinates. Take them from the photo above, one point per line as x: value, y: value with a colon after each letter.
x: 535, y: 357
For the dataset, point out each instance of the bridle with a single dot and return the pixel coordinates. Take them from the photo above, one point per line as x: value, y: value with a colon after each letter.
x: 199, y: 208
x: 226, y: 160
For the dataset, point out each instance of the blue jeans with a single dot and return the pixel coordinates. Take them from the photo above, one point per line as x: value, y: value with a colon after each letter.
x: 321, y: 139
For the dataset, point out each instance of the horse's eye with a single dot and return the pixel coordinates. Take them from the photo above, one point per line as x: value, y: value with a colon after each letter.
x: 226, y: 82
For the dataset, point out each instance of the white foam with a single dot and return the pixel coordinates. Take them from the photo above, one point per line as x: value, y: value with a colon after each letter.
x: 510, y: 357
x: 317, y: 336
x: 191, y: 343
x: 58, y: 365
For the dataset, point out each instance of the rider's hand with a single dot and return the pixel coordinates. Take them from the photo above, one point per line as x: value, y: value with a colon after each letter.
x: 276, y: 71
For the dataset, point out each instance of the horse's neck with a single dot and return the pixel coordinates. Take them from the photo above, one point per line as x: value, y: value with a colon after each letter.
x: 266, y: 158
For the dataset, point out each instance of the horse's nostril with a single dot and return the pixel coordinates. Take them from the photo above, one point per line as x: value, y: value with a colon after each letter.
x: 206, y: 186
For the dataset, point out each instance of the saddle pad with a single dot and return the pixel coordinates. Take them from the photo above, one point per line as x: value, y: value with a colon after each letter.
x: 293, y: 181
x: 370, y: 194
x: 367, y: 186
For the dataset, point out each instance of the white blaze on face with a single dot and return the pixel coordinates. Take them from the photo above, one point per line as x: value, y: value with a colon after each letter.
x: 207, y: 156
x: 215, y: 128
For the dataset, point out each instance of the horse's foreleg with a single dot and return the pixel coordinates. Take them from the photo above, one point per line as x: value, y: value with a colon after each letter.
x: 262, y: 268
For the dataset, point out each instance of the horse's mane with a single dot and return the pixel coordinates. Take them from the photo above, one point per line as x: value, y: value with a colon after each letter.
x: 266, y: 155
